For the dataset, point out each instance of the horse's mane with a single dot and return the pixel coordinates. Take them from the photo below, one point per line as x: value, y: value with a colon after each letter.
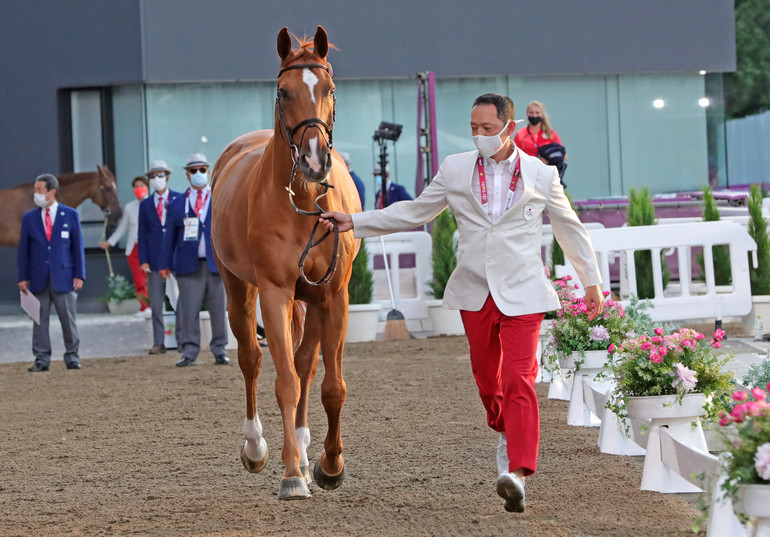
x: 305, y: 44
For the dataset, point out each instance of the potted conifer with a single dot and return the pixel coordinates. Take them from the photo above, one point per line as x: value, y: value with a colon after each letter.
x: 759, y: 276
x: 363, y: 315
x: 444, y: 258
x: 641, y: 212
x: 720, y: 253
x: 121, y: 296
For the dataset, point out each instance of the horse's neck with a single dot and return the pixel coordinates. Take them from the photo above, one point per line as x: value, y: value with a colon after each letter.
x: 281, y: 163
x: 75, y: 189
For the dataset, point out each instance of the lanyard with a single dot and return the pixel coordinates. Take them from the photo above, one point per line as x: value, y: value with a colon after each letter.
x: 532, y: 137
x: 511, y: 190
x: 203, y: 203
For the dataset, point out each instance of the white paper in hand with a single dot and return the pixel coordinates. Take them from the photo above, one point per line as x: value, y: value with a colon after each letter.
x: 31, y: 305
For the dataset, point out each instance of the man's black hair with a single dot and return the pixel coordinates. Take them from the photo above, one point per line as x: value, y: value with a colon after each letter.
x: 503, y: 104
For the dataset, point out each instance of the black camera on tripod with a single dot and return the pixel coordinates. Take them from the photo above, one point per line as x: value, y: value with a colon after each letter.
x: 388, y: 131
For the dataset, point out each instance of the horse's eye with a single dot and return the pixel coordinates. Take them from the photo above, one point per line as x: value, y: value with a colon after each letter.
x: 283, y: 94
x: 331, y: 93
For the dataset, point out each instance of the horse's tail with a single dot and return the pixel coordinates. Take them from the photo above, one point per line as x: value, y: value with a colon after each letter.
x: 298, y: 322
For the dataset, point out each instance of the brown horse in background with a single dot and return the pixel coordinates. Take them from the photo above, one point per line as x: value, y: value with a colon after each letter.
x: 262, y: 183
x: 74, y: 189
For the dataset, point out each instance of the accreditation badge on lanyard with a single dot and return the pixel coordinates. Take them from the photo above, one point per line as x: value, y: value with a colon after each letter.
x: 511, y: 190
x: 191, y: 223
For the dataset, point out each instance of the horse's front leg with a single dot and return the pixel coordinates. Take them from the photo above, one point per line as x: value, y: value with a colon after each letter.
x: 242, y: 313
x: 329, y: 469
x: 306, y: 363
x: 276, y: 304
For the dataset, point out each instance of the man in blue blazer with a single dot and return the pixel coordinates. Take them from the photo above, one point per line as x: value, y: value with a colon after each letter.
x: 395, y: 192
x: 51, y: 265
x: 187, y: 252
x: 153, y: 223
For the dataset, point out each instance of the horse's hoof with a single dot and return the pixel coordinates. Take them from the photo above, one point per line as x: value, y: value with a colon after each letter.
x: 327, y: 482
x: 306, y: 473
x: 254, y: 466
x: 293, y: 488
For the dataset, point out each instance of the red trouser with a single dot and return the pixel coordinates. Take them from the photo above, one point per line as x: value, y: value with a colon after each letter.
x: 140, y: 278
x: 504, y: 362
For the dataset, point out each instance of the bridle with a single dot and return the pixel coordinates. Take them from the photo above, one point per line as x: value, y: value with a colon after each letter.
x: 326, y: 132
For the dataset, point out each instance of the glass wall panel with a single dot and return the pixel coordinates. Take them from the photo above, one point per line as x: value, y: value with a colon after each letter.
x: 663, y: 132
x: 130, y: 142
x: 615, y: 136
x: 86, y: 109
x: 203, y: 118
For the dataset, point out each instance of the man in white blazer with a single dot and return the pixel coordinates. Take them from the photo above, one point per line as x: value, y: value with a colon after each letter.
x: 129, y: 222
x: 498, y: 196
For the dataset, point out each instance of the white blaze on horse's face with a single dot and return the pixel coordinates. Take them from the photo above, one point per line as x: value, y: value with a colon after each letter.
x: 310, y: 80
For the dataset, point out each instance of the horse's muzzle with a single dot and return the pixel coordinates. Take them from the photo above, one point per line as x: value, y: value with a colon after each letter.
x: 318, y: 173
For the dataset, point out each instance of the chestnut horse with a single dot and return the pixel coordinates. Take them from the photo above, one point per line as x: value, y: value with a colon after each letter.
x: 268, y: 188
x: 74, y: 188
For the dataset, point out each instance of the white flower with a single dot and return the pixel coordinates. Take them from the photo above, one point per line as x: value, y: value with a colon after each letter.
x: 686, y: 378
x: 762, y: 461
x: 599, y: 333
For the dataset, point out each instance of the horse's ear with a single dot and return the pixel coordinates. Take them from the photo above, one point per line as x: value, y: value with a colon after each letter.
x: 284, y: 43
x: 321, y: 42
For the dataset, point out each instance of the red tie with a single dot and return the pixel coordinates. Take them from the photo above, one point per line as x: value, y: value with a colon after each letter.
x: 198, y: 203
x: 48, y: 224
x: 160, y: 208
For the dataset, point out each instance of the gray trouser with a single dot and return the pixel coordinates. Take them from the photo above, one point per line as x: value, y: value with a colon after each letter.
x: 156, y: 287
x: 192, y: 289
x: 66, y: 308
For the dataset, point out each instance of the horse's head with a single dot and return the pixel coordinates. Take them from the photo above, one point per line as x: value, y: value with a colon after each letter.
x: 305, y: 103
x: 105, y: 195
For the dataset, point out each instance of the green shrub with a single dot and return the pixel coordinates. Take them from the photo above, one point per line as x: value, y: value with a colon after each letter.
x: 641, y: 212
x: 758, y: 375
x: 720, y: 253
x: 444, y: 253
x: 361, y: 284
x: 119, y: 289
x: 760, y: 276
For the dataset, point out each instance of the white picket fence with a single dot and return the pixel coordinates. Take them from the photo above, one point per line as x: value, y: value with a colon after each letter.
x: 690, y: 302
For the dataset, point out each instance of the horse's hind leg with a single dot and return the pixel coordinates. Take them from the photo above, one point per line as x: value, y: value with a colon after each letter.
x: 242, y: 312
x: 305, y: 363
x: 329, y: 469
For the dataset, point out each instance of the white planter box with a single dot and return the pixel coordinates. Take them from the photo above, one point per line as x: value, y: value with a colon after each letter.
x: 445, y: 322
x: 126, y: 307
x: 760, y: 305
x: 204, y: 318
x: 362, y: 322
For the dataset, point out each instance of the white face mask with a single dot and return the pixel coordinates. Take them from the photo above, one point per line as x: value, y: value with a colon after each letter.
x: 40, y: 199
x: 489, y: 145
x: 158, y: 183
x: 199, y: 179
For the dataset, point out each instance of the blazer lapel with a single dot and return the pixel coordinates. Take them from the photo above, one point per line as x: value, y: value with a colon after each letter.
x: 469, y: 186
x: 527, y: 177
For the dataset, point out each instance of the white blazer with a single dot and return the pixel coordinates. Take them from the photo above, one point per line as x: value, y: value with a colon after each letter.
x: 128, y: 222
x: 503, y: 258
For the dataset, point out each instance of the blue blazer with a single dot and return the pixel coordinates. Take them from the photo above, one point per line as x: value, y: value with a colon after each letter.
x: 179, y: 255
x: 361, y: 189
x: 395, y: 193
x: 151, y: 232
x: 61, y: 260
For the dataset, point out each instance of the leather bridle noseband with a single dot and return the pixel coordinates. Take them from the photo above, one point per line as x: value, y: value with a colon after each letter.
x: 326, y: 132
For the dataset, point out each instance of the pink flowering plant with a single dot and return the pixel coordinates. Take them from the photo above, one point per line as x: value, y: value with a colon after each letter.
x: 572, y: 331
x: 565, y: 290
x: 748, y: 451
x: 678, y: 363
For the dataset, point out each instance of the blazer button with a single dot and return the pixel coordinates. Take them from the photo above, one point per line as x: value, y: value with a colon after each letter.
x: 49, y: 247
x: 489, y: 258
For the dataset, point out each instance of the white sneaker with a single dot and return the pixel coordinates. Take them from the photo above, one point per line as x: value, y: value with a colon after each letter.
x: 138, y: 315
x: 502, y: 455
x: 147, y: 314
x: 510, y: 487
